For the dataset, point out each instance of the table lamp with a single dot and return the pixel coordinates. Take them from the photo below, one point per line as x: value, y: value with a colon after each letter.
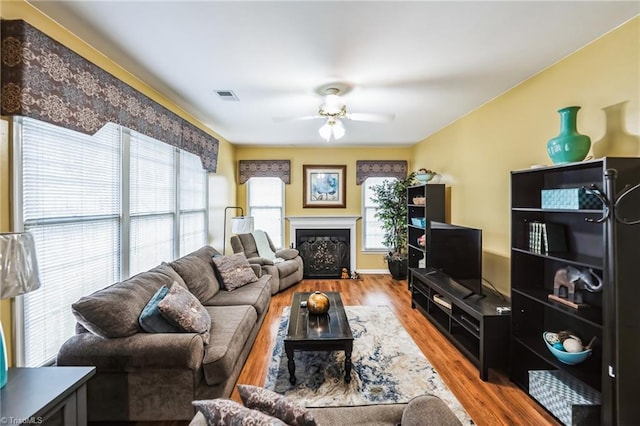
x: 18, y: 275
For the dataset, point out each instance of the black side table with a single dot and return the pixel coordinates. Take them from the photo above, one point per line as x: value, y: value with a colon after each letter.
x: 55, y: 395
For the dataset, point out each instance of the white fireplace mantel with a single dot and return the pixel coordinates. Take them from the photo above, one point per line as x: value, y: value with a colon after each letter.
x: 327, y: 222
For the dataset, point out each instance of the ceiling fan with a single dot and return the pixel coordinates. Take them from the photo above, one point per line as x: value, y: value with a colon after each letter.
x: 333, y: 111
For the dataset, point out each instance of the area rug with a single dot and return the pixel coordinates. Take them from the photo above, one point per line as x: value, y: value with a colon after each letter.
x: 388, y: 367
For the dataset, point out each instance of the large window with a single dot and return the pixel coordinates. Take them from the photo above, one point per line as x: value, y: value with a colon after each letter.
x: 101, y: 208
x: 265, y: 198
x: 372, y: 233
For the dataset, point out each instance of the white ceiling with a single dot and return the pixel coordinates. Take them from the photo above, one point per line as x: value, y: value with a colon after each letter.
x: 427, y: 62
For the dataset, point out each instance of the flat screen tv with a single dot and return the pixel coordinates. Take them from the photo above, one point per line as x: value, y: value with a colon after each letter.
x: 457, y: 251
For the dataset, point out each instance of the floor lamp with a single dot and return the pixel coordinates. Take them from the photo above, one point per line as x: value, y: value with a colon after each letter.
x: 239, y: 225
x: 18, y: 275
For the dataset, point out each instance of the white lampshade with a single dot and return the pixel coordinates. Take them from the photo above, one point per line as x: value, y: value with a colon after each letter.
x: 333, y: 127
x: 18, y: 264
x: 338, y: 129
x: 242, y: 224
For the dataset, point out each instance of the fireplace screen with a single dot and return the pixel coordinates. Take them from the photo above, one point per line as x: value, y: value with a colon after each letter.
x: 324, y: 251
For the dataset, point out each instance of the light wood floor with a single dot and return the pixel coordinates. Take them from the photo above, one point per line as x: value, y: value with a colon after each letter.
x: 495, y: 402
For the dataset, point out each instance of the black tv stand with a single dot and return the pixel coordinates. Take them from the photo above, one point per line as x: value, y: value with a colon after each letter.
x: 472, y: 324
x: 474, y: 294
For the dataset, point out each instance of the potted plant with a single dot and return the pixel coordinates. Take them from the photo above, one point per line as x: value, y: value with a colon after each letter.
x: 391, y: 197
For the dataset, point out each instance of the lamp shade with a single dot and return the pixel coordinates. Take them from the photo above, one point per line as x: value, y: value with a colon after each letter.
x: 332, y: 128
x: 242, y: 224
x: 18, y: 264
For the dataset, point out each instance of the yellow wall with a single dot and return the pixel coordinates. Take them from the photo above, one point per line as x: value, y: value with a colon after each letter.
x: 326, y: 156
x: 222, y: 186
x: 476, y: 153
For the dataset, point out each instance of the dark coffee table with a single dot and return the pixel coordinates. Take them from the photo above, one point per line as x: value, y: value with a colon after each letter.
x: 329, y: 332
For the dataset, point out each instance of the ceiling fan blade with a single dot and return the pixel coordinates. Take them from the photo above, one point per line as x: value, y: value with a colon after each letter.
x: 296, y: 118
x: 364, y: 116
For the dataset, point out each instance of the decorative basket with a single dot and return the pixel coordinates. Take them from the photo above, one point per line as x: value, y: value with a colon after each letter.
x: 421, y: 201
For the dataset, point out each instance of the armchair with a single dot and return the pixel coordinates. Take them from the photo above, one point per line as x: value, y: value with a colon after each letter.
x: 284, y: 273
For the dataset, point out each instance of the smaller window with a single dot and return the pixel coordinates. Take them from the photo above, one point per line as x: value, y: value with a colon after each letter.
x: 265, y: 198
x: 372, y: 233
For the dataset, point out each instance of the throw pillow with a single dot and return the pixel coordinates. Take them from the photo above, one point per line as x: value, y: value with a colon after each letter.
x: 151, y: 319
x: 222, y: 412
x: 182, y: 309
x: 235, y: 270
x: 275, y: 405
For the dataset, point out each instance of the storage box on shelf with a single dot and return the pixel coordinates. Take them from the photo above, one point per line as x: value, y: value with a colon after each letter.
x: 606, y: 247
x: 425, y: 203
x: 571, y: 401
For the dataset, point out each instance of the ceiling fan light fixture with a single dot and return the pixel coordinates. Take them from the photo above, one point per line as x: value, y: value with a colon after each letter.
x: 331, y: 128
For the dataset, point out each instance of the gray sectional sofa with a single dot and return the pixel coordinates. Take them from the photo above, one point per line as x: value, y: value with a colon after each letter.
x: 155, y: 376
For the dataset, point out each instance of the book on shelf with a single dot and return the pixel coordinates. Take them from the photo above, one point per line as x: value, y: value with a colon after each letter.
x: 547, y: 237
x: 442, y: 301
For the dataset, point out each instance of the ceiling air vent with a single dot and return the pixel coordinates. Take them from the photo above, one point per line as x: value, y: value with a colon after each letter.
x: 227, y: 95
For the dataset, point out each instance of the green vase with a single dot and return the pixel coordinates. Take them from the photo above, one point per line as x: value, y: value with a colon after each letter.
x: 569, y: 145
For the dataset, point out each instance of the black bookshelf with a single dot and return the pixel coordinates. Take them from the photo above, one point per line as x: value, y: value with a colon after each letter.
x: 602, y: 240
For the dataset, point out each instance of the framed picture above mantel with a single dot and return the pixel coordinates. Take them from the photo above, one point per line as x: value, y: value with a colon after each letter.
x: 324, y: 186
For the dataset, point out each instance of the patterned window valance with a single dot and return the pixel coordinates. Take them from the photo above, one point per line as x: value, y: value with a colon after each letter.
x: 365, y: 169
x: 264, y: 168
x: 45, y: 80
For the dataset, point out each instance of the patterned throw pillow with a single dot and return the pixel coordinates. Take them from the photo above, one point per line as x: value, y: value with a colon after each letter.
x: 223, y: 412
x: 151, y: 319
x: 235, y: 270
x: 275, y: 405
x: 182, y: 308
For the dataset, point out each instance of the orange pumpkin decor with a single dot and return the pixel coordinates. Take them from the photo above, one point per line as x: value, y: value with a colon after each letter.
x: 318, y: 303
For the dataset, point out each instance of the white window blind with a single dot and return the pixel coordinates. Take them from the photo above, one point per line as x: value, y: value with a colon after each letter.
x: 71, y: 204
x: 372, y: 233
x: 97, y: 205
x: 153, y: 202
x: 193, y: 203
x: 265, y: 198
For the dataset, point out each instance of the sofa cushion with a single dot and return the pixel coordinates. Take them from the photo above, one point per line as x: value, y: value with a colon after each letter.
x: 114, y: 310
x: 235, y: 270
x: 196, y: 269
x: 151, y: 319
x: 246, y: 244
x: 223, y: 412
x: 362, y: 415
x: 275, y: 405
x: 230, y: 330
x: 256, y: 294
x: 183, y: 310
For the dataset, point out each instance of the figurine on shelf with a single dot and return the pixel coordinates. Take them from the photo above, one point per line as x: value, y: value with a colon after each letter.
x: 569, y: 283
x: 345, y: 274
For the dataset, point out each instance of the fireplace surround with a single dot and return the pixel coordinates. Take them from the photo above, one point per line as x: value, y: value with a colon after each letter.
x: 329, y: 245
